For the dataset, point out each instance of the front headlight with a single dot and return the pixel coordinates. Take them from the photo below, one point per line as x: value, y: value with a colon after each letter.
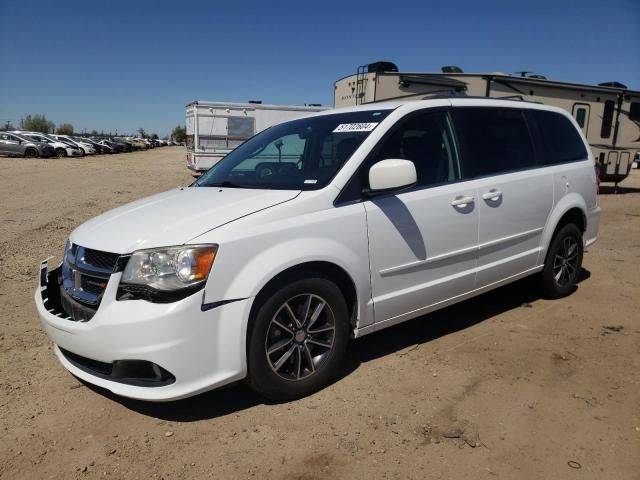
x: 159, y: 274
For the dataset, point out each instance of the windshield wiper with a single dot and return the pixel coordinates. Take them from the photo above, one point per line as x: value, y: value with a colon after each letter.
x: 226, y: 183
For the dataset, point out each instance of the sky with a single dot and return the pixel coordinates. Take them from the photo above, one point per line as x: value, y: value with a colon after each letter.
x: 123, y: 65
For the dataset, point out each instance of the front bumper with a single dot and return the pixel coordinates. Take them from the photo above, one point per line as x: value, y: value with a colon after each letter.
x: 201, y: 350
x: 73, y: 152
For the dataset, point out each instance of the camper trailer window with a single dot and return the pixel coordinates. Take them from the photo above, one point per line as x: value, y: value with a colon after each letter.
x: 607, y: 118
x: 562, y: 141
x: 189, y: 141
x: 240, y: 127
x: 634, y: 112
x: 581, y: 116
x: 493, y: 141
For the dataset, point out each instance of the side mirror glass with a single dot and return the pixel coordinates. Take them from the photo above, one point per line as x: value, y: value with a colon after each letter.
x: 392, y: 174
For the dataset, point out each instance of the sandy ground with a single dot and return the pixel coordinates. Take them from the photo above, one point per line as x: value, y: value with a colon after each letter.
x: 503, y: 386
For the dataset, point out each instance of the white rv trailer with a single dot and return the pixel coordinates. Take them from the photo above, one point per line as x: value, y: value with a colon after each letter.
x: 608, y: 114
x: 216, y: 128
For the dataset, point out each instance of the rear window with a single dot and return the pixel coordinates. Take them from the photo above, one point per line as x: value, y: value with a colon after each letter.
x: 493, y: 141
x: 562, y: 142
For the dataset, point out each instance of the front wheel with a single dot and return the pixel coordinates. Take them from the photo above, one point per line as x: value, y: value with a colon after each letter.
x: 61, y: 153
x: 31, y: 153
x: 563, y: 263
x: 298, y: 338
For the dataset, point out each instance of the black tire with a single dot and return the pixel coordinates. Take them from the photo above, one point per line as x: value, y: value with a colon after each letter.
x: 310, y: 365
x: 84, y: 153
x: 563, y: 263
x: 61, y: 153
x: 31, y: 153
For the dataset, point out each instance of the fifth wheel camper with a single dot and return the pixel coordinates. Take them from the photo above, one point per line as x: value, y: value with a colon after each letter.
x: 608, y: 113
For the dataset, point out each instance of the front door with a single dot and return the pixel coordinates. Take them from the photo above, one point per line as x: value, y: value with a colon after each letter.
x: 10, y: 144
x: 423, y: 241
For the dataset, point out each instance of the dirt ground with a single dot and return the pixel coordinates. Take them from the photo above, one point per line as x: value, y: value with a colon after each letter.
x: 506, y: 385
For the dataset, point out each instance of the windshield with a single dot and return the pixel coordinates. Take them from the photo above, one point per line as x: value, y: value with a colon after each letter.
x: 303, y: 154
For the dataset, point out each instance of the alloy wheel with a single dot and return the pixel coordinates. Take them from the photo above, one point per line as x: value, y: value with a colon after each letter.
x: 565, y: 263
x: 300, y: 337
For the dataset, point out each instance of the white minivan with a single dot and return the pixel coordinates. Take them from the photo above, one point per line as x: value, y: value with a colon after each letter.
x: 380, y: 213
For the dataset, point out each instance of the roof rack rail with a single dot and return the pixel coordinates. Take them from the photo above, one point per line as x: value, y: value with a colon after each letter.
x: 427, y: 95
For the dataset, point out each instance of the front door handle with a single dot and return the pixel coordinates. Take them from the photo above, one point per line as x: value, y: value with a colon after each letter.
x: 492, y: 194
x: 462, y: 201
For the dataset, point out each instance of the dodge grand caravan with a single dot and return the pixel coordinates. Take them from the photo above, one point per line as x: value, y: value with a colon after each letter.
x: 316, y: 231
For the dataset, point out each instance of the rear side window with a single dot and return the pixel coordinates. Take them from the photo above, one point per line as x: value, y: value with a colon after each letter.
x: 562, y: 142
x: 493, y: 141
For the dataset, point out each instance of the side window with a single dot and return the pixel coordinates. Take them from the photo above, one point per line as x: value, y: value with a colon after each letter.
x: 634, y: 111
x: 562, y: 142
x: 425, y: 139
x: 581, y: 116
x: 4, y: 136
x: 493, y: 141
x: 607, y: 119
x: 337, y: 149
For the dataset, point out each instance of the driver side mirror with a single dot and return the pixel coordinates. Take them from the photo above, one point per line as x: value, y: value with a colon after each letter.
x: 391, y: 174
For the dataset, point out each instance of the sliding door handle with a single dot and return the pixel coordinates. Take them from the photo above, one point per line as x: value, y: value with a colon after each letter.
x: 462, y: 201
x: 492, y: 194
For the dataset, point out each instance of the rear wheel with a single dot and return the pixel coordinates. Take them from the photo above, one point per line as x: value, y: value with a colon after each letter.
x: 563, y: 263
x: 61, y: 153
x: 31, y: 153
x: 298, y: 338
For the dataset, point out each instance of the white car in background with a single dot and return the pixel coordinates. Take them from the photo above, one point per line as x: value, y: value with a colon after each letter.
x: 85, y: 147
x: 62, y: 149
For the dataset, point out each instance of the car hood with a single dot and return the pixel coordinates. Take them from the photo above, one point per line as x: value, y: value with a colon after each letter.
x: 173, y: 217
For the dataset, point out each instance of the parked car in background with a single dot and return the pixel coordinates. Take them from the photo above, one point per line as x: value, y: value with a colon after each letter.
x: 100, y: 149
x: 137, y: 143
x: 84, y: 145
x: 13, y: 144
x: 62, y: 149
x: 114, y: 146
x: 128, y: 146
x: 86, y: 149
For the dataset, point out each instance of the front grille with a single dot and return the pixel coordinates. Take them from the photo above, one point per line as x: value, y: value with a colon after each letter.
x: 100, y: 259
x: 92, y: 285
x: 84, y: 277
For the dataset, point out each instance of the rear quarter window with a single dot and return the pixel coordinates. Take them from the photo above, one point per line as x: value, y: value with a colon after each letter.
x: 561, y: 140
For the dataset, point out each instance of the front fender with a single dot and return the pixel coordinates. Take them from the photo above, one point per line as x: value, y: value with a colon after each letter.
x: 260, y: 269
